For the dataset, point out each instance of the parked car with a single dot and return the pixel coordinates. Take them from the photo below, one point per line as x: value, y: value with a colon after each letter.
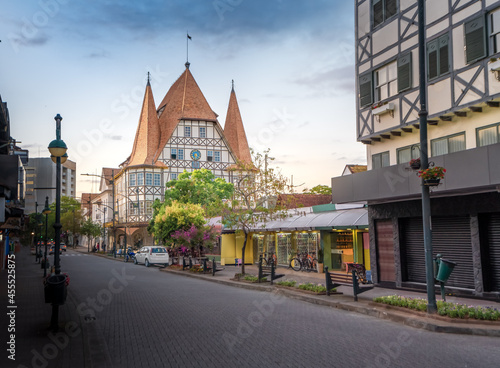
x: 52, y: 249
x: 63, y: 247
x: 152, y: 255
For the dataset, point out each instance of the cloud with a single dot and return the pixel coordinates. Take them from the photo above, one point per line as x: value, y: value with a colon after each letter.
x: 336, y: 81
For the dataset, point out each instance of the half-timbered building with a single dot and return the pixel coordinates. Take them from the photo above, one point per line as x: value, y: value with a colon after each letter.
x: 462, y: 69
x: 181, y: 134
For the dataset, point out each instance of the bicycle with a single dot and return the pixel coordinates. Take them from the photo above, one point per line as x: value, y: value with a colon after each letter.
x: 304, y: 261
x: 270, y: 260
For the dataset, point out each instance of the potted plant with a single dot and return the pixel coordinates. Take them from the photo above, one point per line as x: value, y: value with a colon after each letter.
x: 432, y: 176
x: 415, y: 164
x: 320, y: 260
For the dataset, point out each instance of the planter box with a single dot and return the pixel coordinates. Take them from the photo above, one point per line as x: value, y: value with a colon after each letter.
x: 389, y: 107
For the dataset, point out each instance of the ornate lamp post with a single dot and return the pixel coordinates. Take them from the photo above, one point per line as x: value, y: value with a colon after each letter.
x: 46, y: 212
x: 58, y: 154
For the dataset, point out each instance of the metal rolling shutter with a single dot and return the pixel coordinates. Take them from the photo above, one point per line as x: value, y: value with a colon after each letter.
x: 494, y: 252
x: 450, y: 237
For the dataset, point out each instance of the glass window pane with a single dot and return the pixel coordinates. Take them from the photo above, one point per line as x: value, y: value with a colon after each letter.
x: 391, y: 8
x: 439, y: 147
x: 180, y: 156
x: 456, y: 144
x: 376, y: 161
x: 385, y: 159
x: 404, y: 155
x: 415, y: 152
x: 140, y: 178
x: 487, y: 136
x: 157, y: 179
x: 393, y: 71
x: 384, y: 93
x: 149, y: 178
x: 381, y: 76
x: 495, y: 22
x: 393, y: 88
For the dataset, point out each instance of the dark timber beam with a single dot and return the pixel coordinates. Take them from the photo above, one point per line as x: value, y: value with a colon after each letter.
x: 446, y: 117
x: 407, y: 130
x: 493, y: 103
x: 385, y: 136
x: 396, y: 133
x: 462, y: 114
x: 476, y: 109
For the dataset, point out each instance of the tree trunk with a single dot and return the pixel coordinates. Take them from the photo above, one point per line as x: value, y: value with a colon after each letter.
x: 243, y: 253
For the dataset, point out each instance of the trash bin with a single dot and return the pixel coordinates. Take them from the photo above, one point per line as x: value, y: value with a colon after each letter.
x: 445, y: 269
x: 55, y: 289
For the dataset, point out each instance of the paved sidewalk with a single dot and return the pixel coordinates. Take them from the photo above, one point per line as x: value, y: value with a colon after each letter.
x: 365, y: 304
x: 33, y: 343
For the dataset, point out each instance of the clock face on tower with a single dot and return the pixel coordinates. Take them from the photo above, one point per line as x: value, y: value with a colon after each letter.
x: 195, y: 155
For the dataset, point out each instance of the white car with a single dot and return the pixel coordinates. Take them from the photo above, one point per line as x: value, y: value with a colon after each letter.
x: 152, y: 255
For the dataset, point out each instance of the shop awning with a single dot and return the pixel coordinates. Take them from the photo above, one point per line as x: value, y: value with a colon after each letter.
x: 340, y: 219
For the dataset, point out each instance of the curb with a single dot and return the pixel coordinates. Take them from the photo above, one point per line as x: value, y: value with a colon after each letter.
x: 406, y: 318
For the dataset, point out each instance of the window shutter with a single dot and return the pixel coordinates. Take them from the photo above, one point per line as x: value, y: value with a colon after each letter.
x: 475, y: 40
x: 378, y: 12
x: 365, y: 89
x: 444, y: 62
x: 391, y: 8
x: 432, y: 59
x: 404, y: 72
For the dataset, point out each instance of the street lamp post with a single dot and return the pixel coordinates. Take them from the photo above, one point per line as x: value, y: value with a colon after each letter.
x: 46, y: 212
x: 58, y: 154
x: 424, y: 160
x: 36, y: 235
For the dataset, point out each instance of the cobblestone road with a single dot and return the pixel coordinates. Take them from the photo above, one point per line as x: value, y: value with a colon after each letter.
x: 133, y: 316
x: 147, y: 318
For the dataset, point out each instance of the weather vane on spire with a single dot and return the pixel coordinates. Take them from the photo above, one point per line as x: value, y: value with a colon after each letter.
x: 149, y: 77
x: 187, y: 49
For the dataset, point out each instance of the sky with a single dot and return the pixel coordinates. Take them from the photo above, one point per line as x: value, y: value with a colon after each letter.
x: 292, y: 62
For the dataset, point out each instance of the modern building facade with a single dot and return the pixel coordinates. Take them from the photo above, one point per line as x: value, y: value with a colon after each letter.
x: 181, y: 134
x: 41, y: 181
x: 463, y: 99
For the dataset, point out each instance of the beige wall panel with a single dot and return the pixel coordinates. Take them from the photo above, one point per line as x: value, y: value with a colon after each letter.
x: 458, y: 48
x: 461, y: 15
x: 491, y: 2
x: 435, y: 9
x: 385, y: 36
x: 363, y: 19
x: 364, y: 67
x: 382, y: 59
x: 404, y: 4
x: 439, y: 96
x: 386, y: 121
x: 409, y: 43
x: 494, y: 84
x: 406, y: 107
x: 434, y: 30
x: 471, y: 95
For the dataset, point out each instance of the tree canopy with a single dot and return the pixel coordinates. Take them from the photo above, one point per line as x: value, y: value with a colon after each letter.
x: 318, y: 189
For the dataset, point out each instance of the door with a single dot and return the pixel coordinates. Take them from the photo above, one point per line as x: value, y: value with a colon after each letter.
x: 385, y: 251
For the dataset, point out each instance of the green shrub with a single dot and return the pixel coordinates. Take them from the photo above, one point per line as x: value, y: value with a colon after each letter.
x: 451, y: 310
x: 289, y: 283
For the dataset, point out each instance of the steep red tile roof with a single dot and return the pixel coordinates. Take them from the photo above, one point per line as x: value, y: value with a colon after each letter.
x: 235, y: 132
x: 107, y: 172
x: 303, y: 200
x: 184, y: 100
x: 147, y: 137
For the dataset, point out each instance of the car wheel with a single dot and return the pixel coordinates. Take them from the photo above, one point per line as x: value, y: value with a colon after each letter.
x: 146, y: 263
x: 135, y: 261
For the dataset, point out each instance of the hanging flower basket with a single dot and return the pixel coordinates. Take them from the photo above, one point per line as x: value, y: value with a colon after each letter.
x: 432, y: 176
x: 415, y: 164
x: 432, y: 182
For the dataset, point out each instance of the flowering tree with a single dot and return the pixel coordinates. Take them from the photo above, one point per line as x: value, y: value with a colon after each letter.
x: 197, y: 236
x: 256, y: 188
x: 177, y: 216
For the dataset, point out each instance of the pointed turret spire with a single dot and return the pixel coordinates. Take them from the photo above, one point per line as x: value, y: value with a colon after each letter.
x: 234, y: 130
x: 147, y: 137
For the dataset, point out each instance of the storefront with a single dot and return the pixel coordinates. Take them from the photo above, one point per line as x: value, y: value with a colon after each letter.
x: 340, y: 236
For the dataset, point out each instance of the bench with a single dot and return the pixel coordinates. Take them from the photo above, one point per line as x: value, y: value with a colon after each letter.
x: 268, y: 271
x: 336, y: 279
x: 211, y: 266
